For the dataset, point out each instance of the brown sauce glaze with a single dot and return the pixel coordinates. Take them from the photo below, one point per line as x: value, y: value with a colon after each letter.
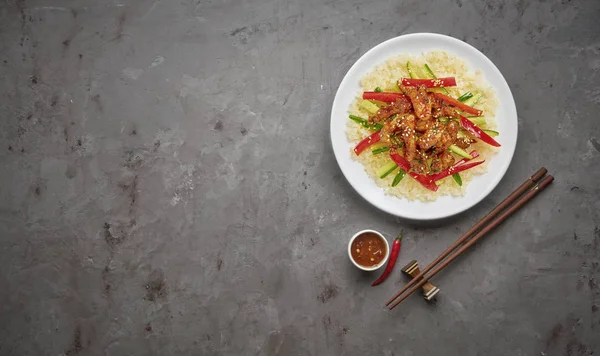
x: 368, y: 249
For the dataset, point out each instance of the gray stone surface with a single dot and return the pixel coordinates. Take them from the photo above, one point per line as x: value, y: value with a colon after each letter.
x: 168, y: 185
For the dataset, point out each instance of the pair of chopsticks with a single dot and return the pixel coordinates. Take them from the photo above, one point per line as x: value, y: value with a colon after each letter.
x: 510, y: 205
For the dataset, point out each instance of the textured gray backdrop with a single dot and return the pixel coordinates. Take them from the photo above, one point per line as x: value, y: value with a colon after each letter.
x: 168, y: 185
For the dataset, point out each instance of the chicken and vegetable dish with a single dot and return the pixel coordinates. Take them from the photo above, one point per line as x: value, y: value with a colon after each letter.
x: 426, y: 124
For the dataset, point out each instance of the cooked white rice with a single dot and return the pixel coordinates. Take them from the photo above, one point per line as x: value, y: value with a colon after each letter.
x: 385, y: 76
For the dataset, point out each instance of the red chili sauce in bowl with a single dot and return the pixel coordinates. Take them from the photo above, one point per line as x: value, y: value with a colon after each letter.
x: 368, y: 249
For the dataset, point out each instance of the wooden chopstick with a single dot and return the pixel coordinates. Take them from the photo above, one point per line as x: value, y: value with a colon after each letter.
x: 497, y: 221
x: 506, y: 202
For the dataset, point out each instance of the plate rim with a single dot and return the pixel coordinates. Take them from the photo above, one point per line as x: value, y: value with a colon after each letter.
x: 511, y: 107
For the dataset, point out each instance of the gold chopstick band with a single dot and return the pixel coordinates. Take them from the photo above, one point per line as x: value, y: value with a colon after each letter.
x: 429, y: 290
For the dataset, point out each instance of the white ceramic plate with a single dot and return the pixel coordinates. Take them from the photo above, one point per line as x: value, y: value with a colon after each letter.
x: 444, y: 206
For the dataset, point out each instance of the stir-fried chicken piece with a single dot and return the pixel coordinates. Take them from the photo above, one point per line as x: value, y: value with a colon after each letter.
x: 400, y: 106
x: 407, y: 127
x: 447, y: 138
x: 431, y: 137
x: 464, y: 142
x: 389, y: 128
x: 442, y: 161
x: 445, y: 111
x: 420, y: 99
x: 436, y: 102
x: 418, y: 166
x: 403, y: 127
x: 419, y: 163
x: 423, y: 125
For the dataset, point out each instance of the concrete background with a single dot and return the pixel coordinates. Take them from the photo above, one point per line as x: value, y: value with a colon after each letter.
x: 168, y: 185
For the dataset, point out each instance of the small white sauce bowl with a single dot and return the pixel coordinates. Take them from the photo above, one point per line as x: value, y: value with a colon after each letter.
x: 385, y: 258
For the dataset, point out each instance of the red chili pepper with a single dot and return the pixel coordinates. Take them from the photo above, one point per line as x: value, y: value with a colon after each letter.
x: 477, y: 132
x: 430, y: 83
x: 464, y: 107
x: 425, y: 181
x: 386, y: 97
x: 400, y: 161
x: 455, y: 169
x: 368, y: 141
x: 391, y: 262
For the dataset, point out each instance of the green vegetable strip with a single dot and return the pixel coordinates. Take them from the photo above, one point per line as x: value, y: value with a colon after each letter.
x: 398, y: 177
x: 459, y: 151
x: 465, y: 96
x: 386, y: 169
x: 380, y: 150
x: 478, y: 120
x: 388, y: 172
x: 365, y: 123
x: 358, y: 120
x: 429, y: 71
x: 409, y: 70
x: 473, y: 100
x: 492, y: 133
x: 369, y: 106
x: 378, y: 90
x: 457, y: 179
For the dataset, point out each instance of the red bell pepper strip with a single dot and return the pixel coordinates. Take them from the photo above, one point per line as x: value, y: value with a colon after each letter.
x: 477, y: 132
x: 391, y: 262
x: 425, y: 181
x: 454, y: 169
x: 445, y: 173
x: 400, y: 161
x: 462, y: 106
x: 404, y: 164
x: 430, y: 83
x: 367, y: 142
x: 473, y: 154
x: 386, y: 97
